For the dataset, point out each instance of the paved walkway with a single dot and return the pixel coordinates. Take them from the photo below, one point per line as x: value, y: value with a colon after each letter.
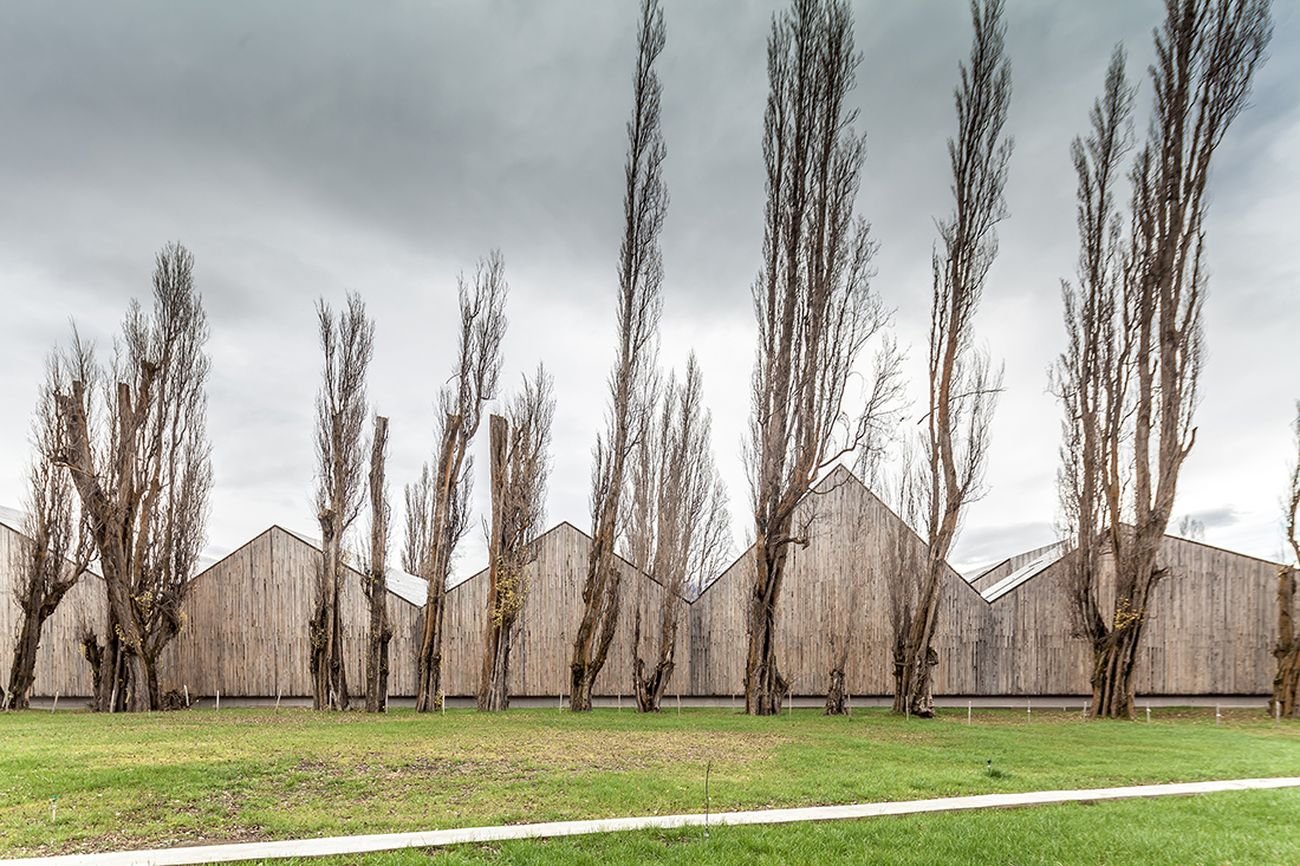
x: 438, y: 838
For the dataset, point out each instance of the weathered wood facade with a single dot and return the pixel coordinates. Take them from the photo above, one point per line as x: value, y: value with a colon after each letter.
x: 61, y: 666
x: 1009, y: 631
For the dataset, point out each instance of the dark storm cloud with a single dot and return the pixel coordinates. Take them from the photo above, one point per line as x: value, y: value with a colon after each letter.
x: 303, y: 149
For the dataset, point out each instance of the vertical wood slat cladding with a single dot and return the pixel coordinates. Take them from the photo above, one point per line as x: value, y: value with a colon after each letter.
x: 1211, y: 626
x: 61, y: 667
x: 1210, y: 629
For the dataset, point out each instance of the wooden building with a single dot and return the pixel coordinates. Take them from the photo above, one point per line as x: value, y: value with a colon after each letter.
x: 61, y: 666
x: 1009, y: 630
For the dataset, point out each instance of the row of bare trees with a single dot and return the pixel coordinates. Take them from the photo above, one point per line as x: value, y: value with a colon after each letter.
x: 1128, y: 377
x: 131, y: 441
x: 816, y: 313
x: 437, y: 504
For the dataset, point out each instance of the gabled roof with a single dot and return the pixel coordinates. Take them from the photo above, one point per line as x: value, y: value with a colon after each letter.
x: 12, y: 518
x: 838, y: 476
x: 408, y: 587
x: 1028, y: 571
x: 566, y: 526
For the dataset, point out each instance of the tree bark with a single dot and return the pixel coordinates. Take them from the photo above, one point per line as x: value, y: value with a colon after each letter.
x: 23, y: 672
x: 428, y: 686
x: 493, y: 691
x: 1286, y: 684
x: 376, y: 582
x: 765, y: 688
x: 836, y: 694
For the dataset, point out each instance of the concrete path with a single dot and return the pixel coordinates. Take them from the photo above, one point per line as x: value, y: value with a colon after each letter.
x: 437, y: 838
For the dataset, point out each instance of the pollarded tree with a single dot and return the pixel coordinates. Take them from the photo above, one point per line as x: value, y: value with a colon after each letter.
x: 1207, y: 52
x: 1286, y: 684
x: 55, y: 549
x: 138, y: 453
x: 962, y: 382
x: 437, y: 505
x: 678, y: 529
x: 375, y: 579
x: 520, y: 454
x: 640, y: 280
x: 814, y: 304
x: 347, y: 342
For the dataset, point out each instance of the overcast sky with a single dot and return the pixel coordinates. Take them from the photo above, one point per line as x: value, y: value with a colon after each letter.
x: 305, y: 149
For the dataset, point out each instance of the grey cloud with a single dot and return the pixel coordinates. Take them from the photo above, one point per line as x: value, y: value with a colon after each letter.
x: 305, y: 149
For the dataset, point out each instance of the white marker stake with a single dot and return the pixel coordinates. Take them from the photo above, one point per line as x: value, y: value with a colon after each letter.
x: 968, y: 712
x: 187, y: 694
x: 277, y: 700
x: 1029, y: 711
x: 218, y: 699
x: 1148, y: 715
x: 1218, y: 716
x: 1277, y: 712
x: 56, y: 702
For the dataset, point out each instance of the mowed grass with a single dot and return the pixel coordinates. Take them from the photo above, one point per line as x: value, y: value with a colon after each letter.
x: 204, y: 776
x: 1252, y: 827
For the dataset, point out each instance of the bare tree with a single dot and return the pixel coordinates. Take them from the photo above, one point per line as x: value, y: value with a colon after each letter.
x: 375, y: 580
x: 1090, y: 377
x: 520, y: 449
x: 139, y: 459
x: 814, y: 305
x: 678, y: 531
x: 640, y: 279
x: 55, y: 549
x: 845, y: 618
x: 903, y: 561
x: 1207, y: 52
x: 1286, y: 684
x: 438, y: 504
x: 963, y: 385
x: 347, y: 342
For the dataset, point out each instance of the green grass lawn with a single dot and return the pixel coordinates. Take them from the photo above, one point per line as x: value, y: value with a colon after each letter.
x: 181, y: 778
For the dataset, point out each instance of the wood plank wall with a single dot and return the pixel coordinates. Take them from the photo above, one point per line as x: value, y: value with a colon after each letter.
x: 1211, y: 628
x: 61, y: 666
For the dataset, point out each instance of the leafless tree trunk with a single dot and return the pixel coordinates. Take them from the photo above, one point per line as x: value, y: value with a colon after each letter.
x: 814, y: 306
x: 139, y: 460
x: 1090, y: 376
x: 56, y: 548
x: 903, y: 564
x: 438, y: 504
x: 640, y: 279
x: 962, y: 383
x: 846, y: 619
x: 520, y: 446
x: 678, y: 530
x: 1286, y: 685
x: 347, y: 342
x: 1149, y: 329
x: 376, y: 578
